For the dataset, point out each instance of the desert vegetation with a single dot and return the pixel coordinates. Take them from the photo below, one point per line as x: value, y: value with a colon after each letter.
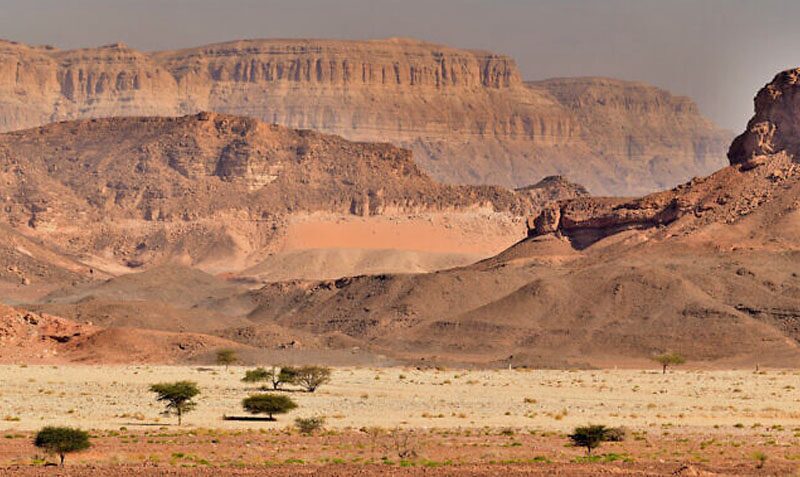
x: 62, y: 441
x: 591, y: 436
x: 308, y: 425
x: 312, y: 377
x: 269, y: 404
x: 309, y: 378
x: 491, y: 417
x: 226, y: 357
x: 669, y: 359
x: 178, y: 397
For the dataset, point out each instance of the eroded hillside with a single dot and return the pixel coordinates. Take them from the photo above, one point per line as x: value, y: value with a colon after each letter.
x: 226, y: 193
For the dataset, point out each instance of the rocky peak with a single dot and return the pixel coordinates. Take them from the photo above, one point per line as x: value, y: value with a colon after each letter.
x: 775, y: 127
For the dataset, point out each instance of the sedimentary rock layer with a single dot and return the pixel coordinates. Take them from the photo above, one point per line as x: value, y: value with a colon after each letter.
x: 467, y: 115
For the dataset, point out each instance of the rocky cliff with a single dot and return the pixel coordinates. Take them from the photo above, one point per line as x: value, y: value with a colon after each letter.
x: 467, y: 115
x: 775, y: 127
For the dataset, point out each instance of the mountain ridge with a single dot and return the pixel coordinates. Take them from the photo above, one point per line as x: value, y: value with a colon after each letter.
x: 467, y: 115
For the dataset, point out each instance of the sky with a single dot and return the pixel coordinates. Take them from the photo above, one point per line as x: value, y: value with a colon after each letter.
x: 718, y: 52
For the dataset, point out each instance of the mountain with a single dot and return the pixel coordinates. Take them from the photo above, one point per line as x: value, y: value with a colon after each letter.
x: 708, y: 269
x: 91, y: 199
x: 467, y: 115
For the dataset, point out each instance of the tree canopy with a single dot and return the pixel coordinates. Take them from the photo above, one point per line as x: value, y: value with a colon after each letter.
x: 62, y: 440
x: 178, y: 396
x: 668, y: 359
x: 269, y: 404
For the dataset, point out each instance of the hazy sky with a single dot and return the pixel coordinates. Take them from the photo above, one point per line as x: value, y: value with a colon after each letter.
x: 719, y: 52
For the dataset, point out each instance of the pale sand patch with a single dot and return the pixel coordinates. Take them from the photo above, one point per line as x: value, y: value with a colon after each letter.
x: 473, y: 233
x: 109, y: 397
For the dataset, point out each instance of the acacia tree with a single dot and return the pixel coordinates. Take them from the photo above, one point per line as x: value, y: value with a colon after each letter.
x: 312, y: 377
x: 178, y: 396
x: 589, y: 437
x: 276, y: 376
x: 268, y: 404
x: 226, y: 357
x: 61, y: 440
x: 667, y: 359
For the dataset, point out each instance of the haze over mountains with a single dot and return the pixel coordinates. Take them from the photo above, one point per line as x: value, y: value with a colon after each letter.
x: 467, y: 115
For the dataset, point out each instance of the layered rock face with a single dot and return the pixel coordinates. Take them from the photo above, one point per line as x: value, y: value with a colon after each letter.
x: 467, y: 115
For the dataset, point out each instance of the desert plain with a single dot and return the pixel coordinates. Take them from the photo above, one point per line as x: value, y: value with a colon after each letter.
x: 404, y: 420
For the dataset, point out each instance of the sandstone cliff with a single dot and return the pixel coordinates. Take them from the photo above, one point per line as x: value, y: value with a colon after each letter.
x: 467, y: 115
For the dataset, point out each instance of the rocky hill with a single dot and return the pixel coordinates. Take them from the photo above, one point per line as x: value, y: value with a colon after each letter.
x: 37, y: 338
x: 225, y: 193
x: 467, y: 115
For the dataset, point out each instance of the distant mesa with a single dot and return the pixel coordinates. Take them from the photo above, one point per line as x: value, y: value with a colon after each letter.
x: 467, y: 115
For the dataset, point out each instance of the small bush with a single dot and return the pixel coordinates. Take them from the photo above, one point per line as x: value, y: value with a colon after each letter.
x: 760, y: 458
x: 62, y: 440
x: 668, y: 359
x: 276, y: 376
x: 616, y: 434
x: 256, y: 375
x: 307, y: 425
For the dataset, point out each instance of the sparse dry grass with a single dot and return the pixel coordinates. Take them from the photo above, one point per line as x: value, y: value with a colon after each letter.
x: 109, y: 397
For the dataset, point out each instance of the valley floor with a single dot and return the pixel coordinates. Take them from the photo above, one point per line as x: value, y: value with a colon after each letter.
x: 404, y: 421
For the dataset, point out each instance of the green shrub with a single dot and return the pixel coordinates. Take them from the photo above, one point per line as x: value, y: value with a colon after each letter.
x: 307, y: 425
x: 616, y: 434
x: 589, y: 437
x: 277, y: 376
x: 61, y: 440
x: 269, y: 404
x: 256, y: 375
x: 226, y: 357
x: 667, y: 359
x: 761, y: 459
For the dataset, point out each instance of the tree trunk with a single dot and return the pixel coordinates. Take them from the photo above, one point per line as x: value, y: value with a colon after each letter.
x: 664, y: 370
x: 179, y: 416
x: 62, y: 459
